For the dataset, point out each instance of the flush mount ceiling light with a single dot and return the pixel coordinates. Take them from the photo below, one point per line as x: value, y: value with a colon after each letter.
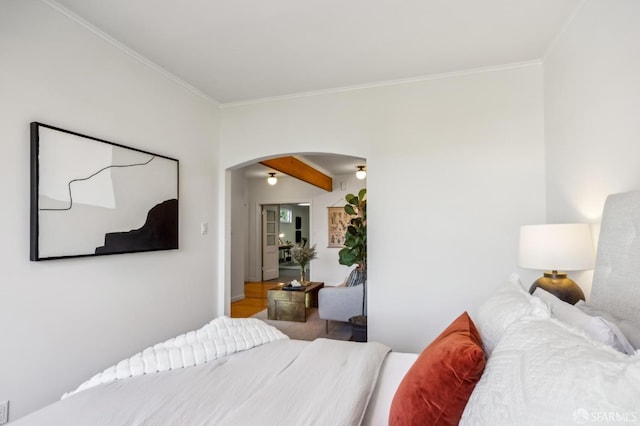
x: 361, y: 173
x: 272, y: 179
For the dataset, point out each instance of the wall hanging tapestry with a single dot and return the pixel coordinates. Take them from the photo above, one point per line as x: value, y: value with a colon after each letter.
x: 93, y: 197
x: 338, y: 224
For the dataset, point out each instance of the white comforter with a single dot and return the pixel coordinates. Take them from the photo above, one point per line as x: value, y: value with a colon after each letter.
x: 221, y: 337
x: 286, y: 382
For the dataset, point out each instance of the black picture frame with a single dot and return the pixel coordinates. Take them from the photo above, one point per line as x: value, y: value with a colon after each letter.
x: 92, y: 197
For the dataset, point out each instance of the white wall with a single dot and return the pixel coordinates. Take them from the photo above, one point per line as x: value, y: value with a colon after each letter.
x: 592, y: 105
x: 62, y: 321
x: 455, y: 166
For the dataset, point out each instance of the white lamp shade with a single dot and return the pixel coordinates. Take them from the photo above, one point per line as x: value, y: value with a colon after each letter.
x: 563, y: 247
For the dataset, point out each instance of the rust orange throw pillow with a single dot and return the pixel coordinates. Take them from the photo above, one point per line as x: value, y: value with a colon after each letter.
x: 436, y: 388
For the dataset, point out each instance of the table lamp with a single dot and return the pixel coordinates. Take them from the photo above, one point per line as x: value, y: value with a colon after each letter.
x: 554, y: 248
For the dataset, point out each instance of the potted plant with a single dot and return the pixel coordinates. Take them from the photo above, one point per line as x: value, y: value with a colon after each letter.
x: 355, y: 253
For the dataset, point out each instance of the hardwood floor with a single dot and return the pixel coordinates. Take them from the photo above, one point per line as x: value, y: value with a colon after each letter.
x: 255, y: 299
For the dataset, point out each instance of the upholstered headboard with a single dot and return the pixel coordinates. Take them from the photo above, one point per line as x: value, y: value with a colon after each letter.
x: 616, y: 279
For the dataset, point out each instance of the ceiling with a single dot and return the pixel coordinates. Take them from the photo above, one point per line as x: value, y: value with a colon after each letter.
x: 238, y: 50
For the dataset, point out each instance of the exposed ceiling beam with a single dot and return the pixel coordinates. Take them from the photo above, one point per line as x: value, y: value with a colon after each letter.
x: 297, y: 169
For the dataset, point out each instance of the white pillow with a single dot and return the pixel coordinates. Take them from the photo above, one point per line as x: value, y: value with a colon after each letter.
x: 598, y: 328
x: 544, y: 373
x: 510, y: 304
x: 630, y: 329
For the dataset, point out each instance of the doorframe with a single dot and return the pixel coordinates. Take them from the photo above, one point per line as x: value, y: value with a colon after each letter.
x: 264, y: 208
x: 257, y: 267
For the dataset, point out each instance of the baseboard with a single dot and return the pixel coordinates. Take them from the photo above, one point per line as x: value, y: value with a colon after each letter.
x: 236, y: 298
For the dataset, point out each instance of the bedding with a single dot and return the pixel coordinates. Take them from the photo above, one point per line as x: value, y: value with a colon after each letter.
x: 509, y: 304
x: 594, y: 326
x: 221, y: 337
x: 324, y: 382
x: 544, y: 372
x: 630, y: 329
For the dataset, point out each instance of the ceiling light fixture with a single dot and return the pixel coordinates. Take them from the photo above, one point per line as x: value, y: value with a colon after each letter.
x: 361, y: 173
x: 272, y: 179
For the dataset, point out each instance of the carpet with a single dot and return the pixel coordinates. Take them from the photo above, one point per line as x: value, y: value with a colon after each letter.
x: 310, y: 330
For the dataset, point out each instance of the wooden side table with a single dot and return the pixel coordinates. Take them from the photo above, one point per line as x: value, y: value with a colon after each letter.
x: 291, y: 305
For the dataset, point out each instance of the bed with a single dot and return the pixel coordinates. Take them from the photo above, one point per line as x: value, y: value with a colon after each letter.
x: 522, y: 360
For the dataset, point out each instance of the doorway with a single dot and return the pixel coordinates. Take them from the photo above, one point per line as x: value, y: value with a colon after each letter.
x: 247, y: 190
x: 283, y: 226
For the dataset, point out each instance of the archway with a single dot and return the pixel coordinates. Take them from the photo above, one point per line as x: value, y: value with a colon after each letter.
x: 246, y: 189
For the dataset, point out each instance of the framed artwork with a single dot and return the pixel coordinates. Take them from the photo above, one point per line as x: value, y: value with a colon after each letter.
x: 338, y: 224
x: 92, y: 197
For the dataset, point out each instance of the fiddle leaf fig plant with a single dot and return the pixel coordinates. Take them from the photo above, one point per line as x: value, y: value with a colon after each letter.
x: 355, y: 241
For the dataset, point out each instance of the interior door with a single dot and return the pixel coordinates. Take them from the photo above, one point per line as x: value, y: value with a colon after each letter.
x: 270, y: 255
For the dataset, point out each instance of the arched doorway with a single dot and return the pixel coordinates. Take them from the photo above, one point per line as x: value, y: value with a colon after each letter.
x: 247, y: 190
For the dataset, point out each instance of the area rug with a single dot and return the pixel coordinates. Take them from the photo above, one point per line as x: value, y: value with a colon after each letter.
x: 310, y: 330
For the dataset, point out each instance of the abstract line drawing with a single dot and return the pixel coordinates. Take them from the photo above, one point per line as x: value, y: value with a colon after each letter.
x: 92, y: 175
x: 93, y: 197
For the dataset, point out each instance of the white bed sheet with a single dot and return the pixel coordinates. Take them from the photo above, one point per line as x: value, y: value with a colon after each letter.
x: 393, y: 370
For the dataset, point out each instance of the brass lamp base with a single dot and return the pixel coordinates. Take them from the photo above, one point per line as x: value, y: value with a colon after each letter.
x: 558, y: 284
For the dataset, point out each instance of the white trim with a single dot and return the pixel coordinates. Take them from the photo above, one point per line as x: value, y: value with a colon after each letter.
x: 106, y: 37
x: 382, y: 83
x: 222, y: 284
x: 238, y: 297
x: 563, y: 30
